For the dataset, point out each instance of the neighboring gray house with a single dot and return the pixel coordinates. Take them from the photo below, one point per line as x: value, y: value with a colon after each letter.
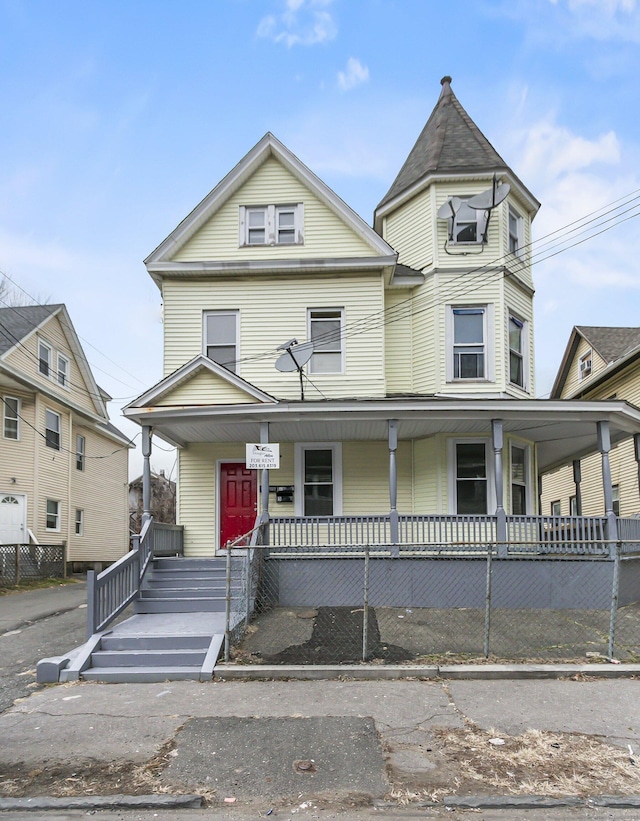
x: 163, y: 501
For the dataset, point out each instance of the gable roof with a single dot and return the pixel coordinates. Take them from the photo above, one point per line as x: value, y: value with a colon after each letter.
x: 18, y: 323
x: 269, y: 146
x: 616, y: 346
x: 450, y: 143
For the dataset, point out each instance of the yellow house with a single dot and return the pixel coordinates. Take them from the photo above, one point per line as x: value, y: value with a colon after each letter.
x: 598, y: 363
x: 392, y: 365
x: 63, y: 465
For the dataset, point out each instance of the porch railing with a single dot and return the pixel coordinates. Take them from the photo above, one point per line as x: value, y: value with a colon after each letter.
x: 568, y: 535
x: 629, y: 535
x: 110, y: 592
x: 329, y: 531
x: 168, y: 539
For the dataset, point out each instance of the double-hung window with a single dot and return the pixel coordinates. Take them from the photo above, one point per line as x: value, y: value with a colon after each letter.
x: 79, y: 522
x: 53, y: 515
x: 519, y: 472
x: 468, y: 225
x: 11, y: 417
x: 271, y: 224
x: 325, y: 331
x: 63, y: 371
x: 516, y: 232
x: 516, y: 351
x: 615, y: 496
x: 318, y: 479
x: 221, y: 338
x: 45, y: 357
x: 471, y: 478
x: 80, y: 452
x: 469, y: 343
x: 52, y: 429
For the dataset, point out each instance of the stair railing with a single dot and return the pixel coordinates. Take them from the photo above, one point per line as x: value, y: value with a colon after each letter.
x: 110, y: 592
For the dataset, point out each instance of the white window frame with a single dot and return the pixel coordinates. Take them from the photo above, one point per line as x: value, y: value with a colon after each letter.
x: 462, y: 219
x: 10, y: 418
x: 81, y: 451
x: 233, y: 366
x: 79, y: 522
x: 339, y: 315
x: 585, y: 365
x: 53, y: 430
x: 56, y: 515
x: 615, y: 498
x: 573, y: 505
x: 524, y: 353
x: 528, y: 497
x: 555, y: 507
x: 515, y: 238
x: 62, y: 375
x: 45, y: 364
x: 453, y: 476
x: 487, y: 330
x: 271, y: 215
x: 298, y: 459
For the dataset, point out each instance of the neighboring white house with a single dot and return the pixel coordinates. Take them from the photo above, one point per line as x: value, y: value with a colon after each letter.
x: 63, y: 465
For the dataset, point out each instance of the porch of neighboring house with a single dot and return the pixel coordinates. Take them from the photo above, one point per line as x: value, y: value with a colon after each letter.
x: 358, y: 573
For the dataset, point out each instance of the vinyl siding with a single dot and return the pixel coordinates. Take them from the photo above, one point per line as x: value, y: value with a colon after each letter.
x: 17, y: 457
x: 399, y: 347
x: 573, y: 381
x: 272, y: 310
x: 53, y: 474
x: 428, y: 480
x: 519, y: 265
x: 325, y: 233
x: 521, y: 303
x: 365, y: 478
x: 409, y: 230
x: 206, y: 389
x: 426, y: 337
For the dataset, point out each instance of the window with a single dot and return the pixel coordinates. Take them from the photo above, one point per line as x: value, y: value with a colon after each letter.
x: 52, y: 429
x: 516, y: 233
x: 519, y: 473
x: 573, y: 505
x: 516, y: 350
x: 325, y: 331
x: 79, y: 522
x: 584, y: 365
x: 271, y: 224
x: 468, y: 225
x: 221, y: 338
x: 556, y: 508
x: 53, y: 515
x: 471, y: 479
x: 45, y: 354
x: 11, y: 426
x: 469, y: 343
x: 80, y: 452
x: 615, y: 495
x: 318, y: 471
x: 63, y: 371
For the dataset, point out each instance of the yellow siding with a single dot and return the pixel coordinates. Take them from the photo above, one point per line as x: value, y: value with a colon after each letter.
x: 25, y: 358
x: 206, y: 388
x: 398, y: 342
x: 426, y: 337
x: 16, y: 457
x: 325, y: 233
x: 573, y: 381
x: 365, y: 478
x: 53, y: 475
x: 409, y: 230
x: 427, y: 472
x: 518, y: 265
x: 521, y: 303
x: 273, y: 310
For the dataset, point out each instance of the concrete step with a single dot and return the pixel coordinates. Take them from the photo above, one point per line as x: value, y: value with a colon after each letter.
x: 121, y: 675
x: 180, y: 605
x: 149, y: 658
x: 180, y: 642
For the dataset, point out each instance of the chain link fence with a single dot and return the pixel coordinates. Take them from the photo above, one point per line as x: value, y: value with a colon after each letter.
x: 23, y: 562
x: 406, y: 604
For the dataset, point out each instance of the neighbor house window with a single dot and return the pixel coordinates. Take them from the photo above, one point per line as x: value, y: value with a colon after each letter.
x: 52, y: 429
x: 53, y: 515
x: 63, y: 371
x: 325, y: 331
x: 516, y: 350
x: 318, y: 479
x: 556, y: 508
x: 79, y: 522
x: 516, y: 232
x: 80, y: 452
x: 11, y: 424
x: 519, y: 474
x: 471, y: 478
x: 468, y: 225
x: 615, y: 493
x: 584, y: 365
x: 221, y: 338
x: 271, y: 224
x: 469, y: 343
x: 45, y: 355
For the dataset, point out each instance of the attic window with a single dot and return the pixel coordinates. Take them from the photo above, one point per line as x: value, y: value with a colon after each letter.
x: 468, y: 225
x: 584, y: 365
x: 271, y: 225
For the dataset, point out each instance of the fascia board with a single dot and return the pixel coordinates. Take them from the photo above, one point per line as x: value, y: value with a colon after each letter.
x: 119, y: 437
x: 329, y: 264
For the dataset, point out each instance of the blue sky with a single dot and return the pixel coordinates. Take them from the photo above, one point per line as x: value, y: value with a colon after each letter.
x: 118, y: 117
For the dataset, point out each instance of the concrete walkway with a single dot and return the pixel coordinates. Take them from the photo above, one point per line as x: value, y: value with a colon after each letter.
x: 28, y: 606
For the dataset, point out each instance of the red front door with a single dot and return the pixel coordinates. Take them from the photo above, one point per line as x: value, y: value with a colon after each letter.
x: 238, y: 500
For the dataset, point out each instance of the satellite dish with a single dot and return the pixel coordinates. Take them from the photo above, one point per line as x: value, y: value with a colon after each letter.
x: 450, y: 208
x: 295, y: 357
x: 490, y: 198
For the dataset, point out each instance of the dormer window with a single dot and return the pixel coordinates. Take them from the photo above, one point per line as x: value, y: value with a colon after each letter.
x: 271, y: 225
x: 468, y: 225
x: 584, y: 366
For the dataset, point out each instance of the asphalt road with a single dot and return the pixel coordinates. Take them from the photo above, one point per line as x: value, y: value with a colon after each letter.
x: 21, y: 649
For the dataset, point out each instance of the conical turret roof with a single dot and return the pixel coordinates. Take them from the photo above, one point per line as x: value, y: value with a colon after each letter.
x: 449, y: 143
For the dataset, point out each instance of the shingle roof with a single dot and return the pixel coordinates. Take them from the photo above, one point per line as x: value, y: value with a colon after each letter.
x: 16, y: 323
x: 610, y: 343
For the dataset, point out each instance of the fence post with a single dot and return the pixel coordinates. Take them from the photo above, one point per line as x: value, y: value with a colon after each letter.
x: 487, y: 603
x: 247, y: 583
x: 365, y: 609
x: 91, y: 603
x: 227, y: 608
x: 64, y: 559
x: 614, y: 597
x: 17, y: 564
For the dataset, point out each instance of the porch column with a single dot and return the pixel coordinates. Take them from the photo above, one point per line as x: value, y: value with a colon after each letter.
x: 501, y: 516
x: 577, y: 478
x: 146, y: 473
x: 393, y: 480
x: 604, y: 446
x: 264, y: 476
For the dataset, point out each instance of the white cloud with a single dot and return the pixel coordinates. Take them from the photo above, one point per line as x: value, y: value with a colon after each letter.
x: 354, y: 74
x: 303, y: 22
x: 602, y: 19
